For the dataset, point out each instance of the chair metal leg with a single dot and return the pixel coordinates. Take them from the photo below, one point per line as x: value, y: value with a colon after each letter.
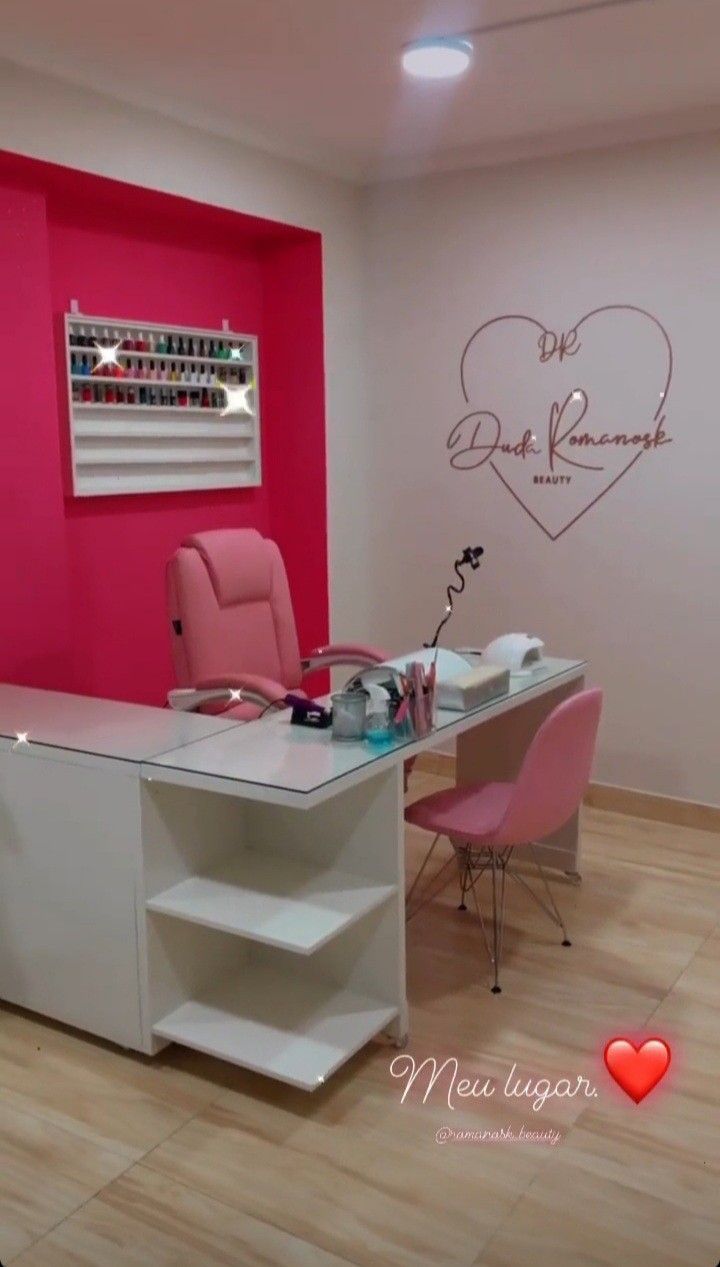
x: 551, y: 911
x: 465, y: 877
x: 497, y: 924
x: 473, y: 883
x: 431, y: 890
x: 551, y: 899
x: 425, y: 861
x: 503, y: 862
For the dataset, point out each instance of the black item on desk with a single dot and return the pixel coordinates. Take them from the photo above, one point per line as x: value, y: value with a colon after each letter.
x: 307, y: 712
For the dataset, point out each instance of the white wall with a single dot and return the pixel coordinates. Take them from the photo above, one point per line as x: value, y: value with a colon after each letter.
x: 634, y: 586
x: 49, y: 119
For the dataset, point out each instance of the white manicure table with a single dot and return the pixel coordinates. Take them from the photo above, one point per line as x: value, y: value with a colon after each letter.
x: 239, y: 889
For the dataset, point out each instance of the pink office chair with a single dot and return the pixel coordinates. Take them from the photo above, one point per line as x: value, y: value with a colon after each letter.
x: 234, y: 640
x: 486, y: 822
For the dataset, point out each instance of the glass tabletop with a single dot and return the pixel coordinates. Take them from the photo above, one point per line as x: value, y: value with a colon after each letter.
x: 99, y: 727
x: 272, y: 753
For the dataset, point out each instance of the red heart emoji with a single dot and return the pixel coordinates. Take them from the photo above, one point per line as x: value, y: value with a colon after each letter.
x: 637, y: 1069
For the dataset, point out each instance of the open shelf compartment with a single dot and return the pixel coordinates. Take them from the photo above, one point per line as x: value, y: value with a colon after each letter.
x: 294, y: 1028
x: 277, y: 901
x: 273, y: 935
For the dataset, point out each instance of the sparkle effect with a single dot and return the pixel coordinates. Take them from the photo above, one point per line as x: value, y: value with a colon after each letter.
x: 21, y: 741
x: 237, y: 354
x: 108, y: 356
x: 236, y: 399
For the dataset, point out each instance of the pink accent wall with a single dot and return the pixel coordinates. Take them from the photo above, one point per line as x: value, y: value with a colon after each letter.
x: 83, y: 578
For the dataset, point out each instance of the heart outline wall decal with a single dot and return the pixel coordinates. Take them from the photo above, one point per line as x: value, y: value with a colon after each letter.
x: 480, y: 436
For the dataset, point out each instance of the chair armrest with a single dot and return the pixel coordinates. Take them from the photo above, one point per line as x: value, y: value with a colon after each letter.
x: 234, y: 688
x: 351, y: 653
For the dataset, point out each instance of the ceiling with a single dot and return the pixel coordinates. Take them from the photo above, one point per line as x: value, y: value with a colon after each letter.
x: 319, y: 81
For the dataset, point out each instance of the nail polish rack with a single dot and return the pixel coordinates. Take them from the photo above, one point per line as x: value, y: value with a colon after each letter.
x: 153, y: 423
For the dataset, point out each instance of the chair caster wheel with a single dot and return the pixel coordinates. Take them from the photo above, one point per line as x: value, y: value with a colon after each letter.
x: 567, y: 942
x: 462, y: 907
x: 496, y: 989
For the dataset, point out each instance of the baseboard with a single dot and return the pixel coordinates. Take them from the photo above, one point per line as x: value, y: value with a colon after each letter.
x: 620, y: 800
x: 663, y: 809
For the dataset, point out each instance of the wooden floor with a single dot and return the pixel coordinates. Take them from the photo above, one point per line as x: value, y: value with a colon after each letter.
x: 110, y: 1159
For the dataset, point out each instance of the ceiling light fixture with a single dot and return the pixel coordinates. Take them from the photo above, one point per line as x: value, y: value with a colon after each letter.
x: 439, y: 57
x: 447, y: 56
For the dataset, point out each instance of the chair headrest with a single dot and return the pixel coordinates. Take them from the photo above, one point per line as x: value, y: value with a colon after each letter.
x: 239, y: 562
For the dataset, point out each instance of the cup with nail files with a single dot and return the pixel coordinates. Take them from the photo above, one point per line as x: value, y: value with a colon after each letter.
x: 421, y: 697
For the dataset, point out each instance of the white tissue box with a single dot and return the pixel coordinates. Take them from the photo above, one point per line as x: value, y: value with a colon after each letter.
x: 471, y: 689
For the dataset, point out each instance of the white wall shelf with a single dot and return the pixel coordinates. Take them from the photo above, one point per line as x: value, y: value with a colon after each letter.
x: 125, y: 382
x: 274, y: 900
x: 296, y: 1028
x: 169, y: 357
x: 206, y: 425
x: 171, y: 436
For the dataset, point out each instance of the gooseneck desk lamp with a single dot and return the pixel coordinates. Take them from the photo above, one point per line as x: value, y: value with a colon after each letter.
x: 470, y: 557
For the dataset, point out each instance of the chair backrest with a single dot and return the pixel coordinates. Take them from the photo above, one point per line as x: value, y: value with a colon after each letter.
x: 555, y: 772
x: 230, y: 609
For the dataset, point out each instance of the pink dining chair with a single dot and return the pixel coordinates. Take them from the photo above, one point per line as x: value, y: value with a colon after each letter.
x: 234, y: 640
x: 487, y: 822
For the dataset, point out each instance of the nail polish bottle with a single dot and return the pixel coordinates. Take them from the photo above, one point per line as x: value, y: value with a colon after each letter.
x: 110, y: 394
x: 201, y: 348
x: 204, y: 399
x: 86, y: 393
x: 150, y: 345
x: 182, y: 397
x: 130, y: 396
x: 75, y: 393
x: 181, y: 346
x: 170, y: 345
x: 142, y: 395
x: 128, y: 342
x: 173, y: 372
x: 140, y: 343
